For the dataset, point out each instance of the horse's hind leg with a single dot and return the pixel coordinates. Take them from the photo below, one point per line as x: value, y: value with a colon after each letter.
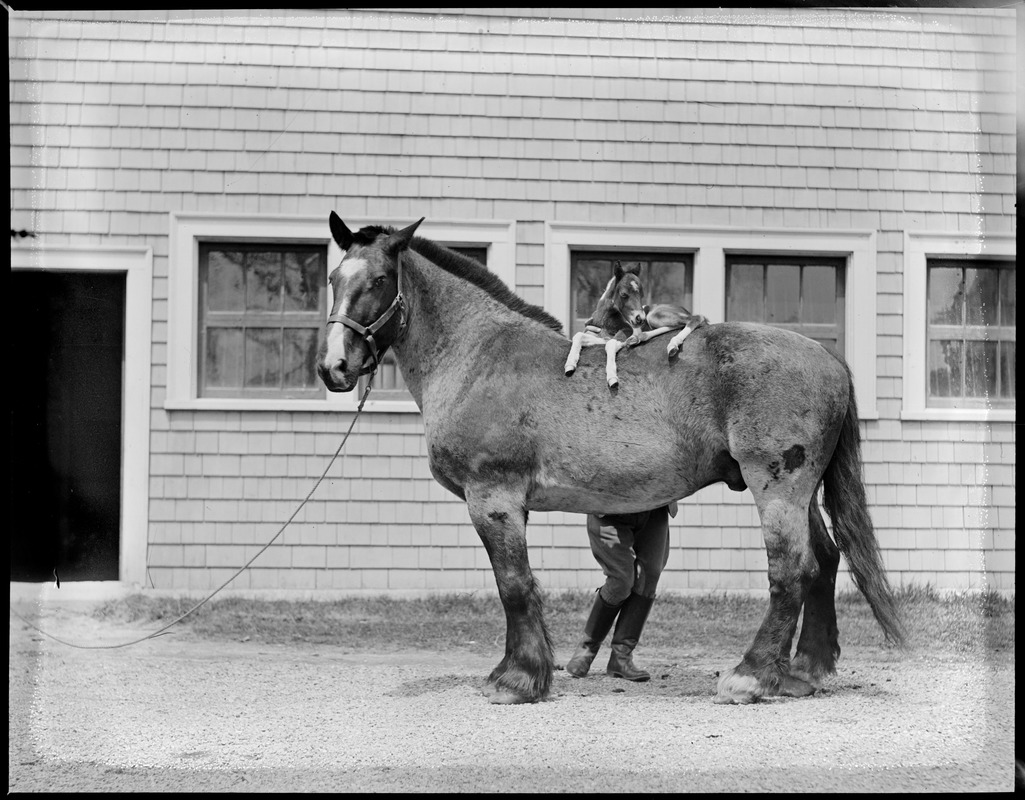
x: 793, y: 568
x: 524, y: 675
x: 819, y: 647
x: 674, y: 344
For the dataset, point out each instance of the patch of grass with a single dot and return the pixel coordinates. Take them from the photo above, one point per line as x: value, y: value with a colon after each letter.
x: 710, y: 625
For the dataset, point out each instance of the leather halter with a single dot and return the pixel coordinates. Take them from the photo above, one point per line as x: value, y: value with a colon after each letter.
x: 367, y: 332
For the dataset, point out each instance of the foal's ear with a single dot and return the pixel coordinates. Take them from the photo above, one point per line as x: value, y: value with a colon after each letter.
x: 342, y: 235
x: 400, y: 240
x: 617, y: 270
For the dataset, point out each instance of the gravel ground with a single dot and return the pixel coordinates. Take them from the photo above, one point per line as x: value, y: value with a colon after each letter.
x: 186, y: 715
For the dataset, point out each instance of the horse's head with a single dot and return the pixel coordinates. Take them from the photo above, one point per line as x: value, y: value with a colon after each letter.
x: 367, y: 311
x: 627, y: 296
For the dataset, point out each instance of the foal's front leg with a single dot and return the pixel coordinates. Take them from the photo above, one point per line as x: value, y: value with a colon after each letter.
x: 580, y: 340
x: 524, y: 675
x: 612, y: 346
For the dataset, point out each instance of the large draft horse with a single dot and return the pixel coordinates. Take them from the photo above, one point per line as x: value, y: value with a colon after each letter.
x: 507, y: 431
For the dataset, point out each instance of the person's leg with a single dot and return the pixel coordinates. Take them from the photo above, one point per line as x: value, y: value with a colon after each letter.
x: 612, y: 547
x: 651, y: 548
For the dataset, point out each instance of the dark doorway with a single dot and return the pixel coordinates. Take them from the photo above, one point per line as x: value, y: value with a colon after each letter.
x: 66, y: 344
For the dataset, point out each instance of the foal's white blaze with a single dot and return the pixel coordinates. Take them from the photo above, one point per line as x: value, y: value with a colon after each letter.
x: 350, y: 270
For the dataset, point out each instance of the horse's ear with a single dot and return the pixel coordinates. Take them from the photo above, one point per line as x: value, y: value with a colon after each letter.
x: 342, y: 235
x: 617, y: 270
x: 400, y: 240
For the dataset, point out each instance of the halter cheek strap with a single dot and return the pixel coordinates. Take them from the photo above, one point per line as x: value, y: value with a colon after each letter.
x: 368, y: 332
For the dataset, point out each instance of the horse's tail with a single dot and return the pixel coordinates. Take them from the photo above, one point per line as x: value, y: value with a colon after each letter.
x: 844, y: 499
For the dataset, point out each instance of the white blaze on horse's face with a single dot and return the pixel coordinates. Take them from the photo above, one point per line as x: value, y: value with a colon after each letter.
x: 630, y: 302
x: 348, y: 273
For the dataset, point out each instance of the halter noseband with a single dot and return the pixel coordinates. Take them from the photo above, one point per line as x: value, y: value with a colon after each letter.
x: 367, y: 332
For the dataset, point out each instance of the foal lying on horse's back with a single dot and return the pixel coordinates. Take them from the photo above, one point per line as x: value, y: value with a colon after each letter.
x: 622, y: 320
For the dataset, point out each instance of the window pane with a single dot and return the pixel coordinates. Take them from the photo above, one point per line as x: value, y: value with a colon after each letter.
x: 223, y: 363
x: 980, y: 369
x: 263, y: 357
x: 818, y: 299
x: 224, y: 281
x: 478, y: 254
x: 744, y: 302
x: 302, y: 281
x: 263, y: 282
x: 666, y: 282
x: 1007, y: 369
x: 590, y: 277
x: 945, y: 296
x: 945, y: 368
x: 1007, y: 296
x: 782, y: 293
x: 981, y: 287
x: 301, y: 357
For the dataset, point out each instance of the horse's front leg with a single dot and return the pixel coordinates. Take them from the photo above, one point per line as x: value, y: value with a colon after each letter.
x: 612, y: 346
x: 524, y: 675
x: 580, y: 340
x: 574, y: 354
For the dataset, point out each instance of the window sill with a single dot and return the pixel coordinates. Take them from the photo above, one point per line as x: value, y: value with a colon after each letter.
x: 959, y: 415
x: 346, y: 403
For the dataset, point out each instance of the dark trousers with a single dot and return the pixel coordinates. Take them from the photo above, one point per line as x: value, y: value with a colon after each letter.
x: 632, y: 550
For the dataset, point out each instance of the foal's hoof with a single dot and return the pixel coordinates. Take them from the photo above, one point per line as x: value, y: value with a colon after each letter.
x: 613, y: 382
x: 672, y: 350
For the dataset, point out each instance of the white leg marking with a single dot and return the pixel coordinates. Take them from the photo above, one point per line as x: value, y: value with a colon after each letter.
x: 676, y: 341
x: 612, y: 346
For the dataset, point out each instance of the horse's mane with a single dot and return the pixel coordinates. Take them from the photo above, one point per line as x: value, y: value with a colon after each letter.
x: 469, y: 270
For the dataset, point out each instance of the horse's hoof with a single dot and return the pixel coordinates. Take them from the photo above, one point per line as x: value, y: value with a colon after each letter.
x: 737, y: 689
x: 803, y: 669
x: 613, y: 382
x: 505, y: 697
x: 569, y: 373
x: 673, y: 351
x: 794, y: 687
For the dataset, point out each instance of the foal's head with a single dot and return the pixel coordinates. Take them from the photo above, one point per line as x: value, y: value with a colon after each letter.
x: 621, y: 305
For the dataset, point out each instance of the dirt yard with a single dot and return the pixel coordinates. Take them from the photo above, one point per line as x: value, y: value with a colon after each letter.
x: 184, y: 714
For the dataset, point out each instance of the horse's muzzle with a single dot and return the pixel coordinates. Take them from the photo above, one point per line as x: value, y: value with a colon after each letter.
x: 337, y: 377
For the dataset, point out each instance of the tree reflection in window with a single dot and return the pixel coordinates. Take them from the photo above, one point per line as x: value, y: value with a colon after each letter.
x: 261, y: 319
x: 971, y: 333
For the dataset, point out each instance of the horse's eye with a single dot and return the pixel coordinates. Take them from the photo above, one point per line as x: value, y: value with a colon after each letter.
x: 624, y: 295
x: 379, y: 280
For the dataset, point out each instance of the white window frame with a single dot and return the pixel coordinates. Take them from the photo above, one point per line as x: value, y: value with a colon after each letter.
x: 188, y: 229
x: 919, y: 247
x: 137, y: 265
x: 710, y: 246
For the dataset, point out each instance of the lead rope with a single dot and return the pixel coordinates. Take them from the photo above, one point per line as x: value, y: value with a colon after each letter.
x: 242, y: 569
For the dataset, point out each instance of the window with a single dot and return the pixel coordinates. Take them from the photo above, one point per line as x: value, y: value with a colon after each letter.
x: 850, y: 254
x: 388, y: 383
x: 247, y: 305
x: 261, y: 319
x: 970, y: 333
x: 666, y: 278
x: 959, y: 327
x: 801, y: 294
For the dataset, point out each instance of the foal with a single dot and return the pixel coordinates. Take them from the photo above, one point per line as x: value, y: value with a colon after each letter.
x: 622, y: 320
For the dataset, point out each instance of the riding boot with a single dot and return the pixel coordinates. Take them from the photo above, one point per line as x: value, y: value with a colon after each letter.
x: 595, y: 630
x: 632, y: 617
